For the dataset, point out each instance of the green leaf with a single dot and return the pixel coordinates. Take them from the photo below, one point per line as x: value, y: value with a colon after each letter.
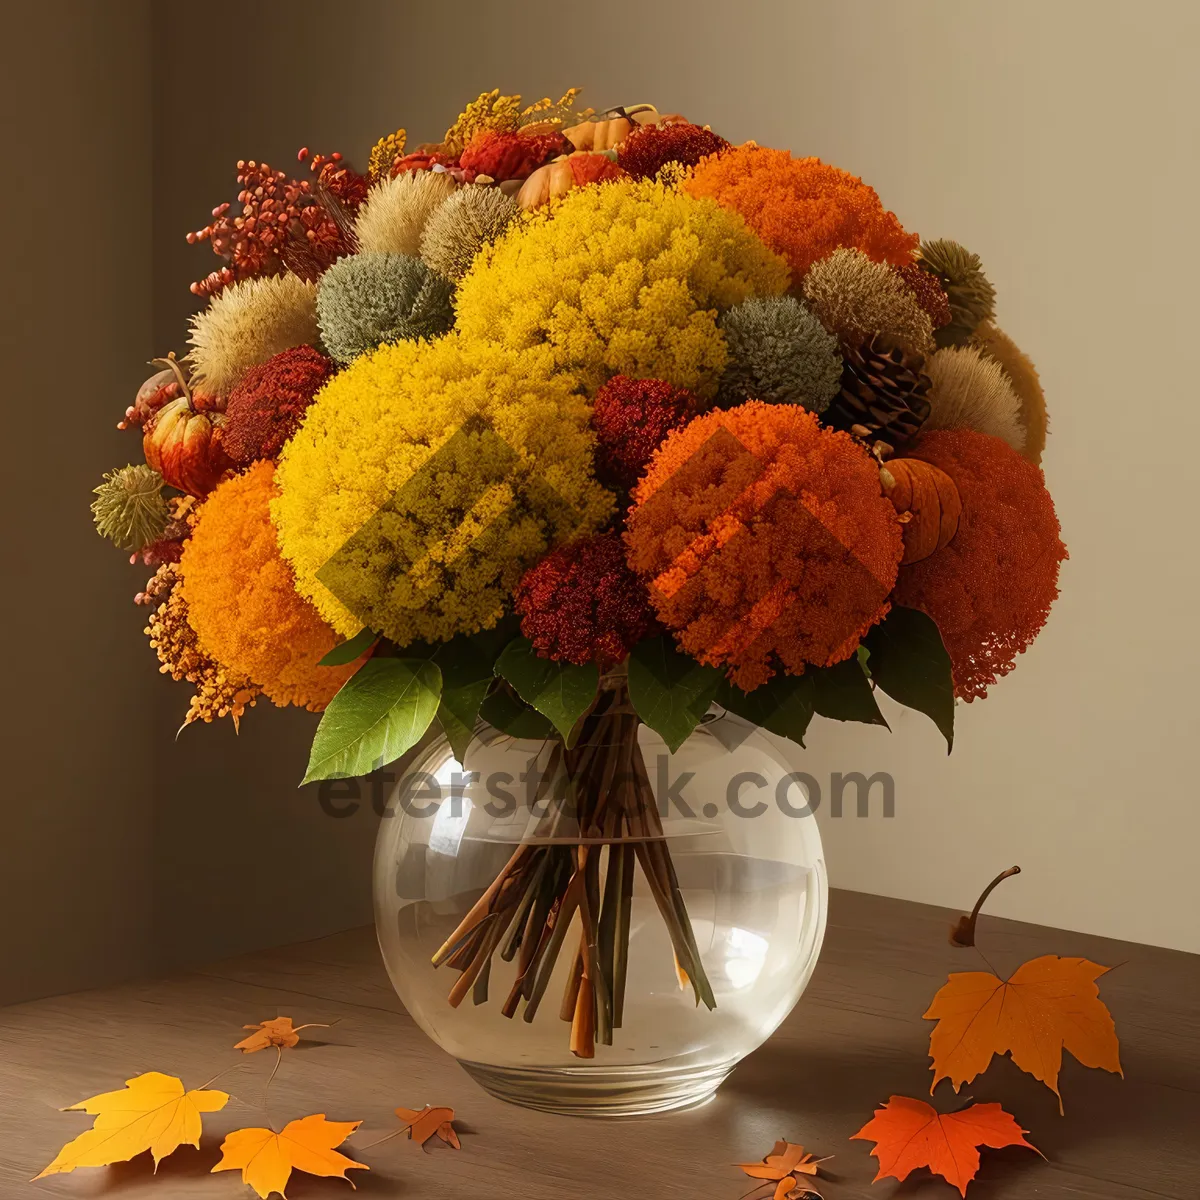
x: 467, y: 664
x: 784, y: 704
x: 843, y: 693
x: 561, y: 691
x: 350, y: 649
x: 670, y: 690
x: 910, y: 663
x: 381, y: 711
x: 507, y: 713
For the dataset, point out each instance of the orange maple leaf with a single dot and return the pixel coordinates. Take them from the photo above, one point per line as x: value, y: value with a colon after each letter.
x: 267, y: 1159
x: 151, y: 1112
x: 909, y: 1134
x: 782, y: 1166
x: 1047, y: 1005
x: 279, y: 1031
x: 428, y: 1122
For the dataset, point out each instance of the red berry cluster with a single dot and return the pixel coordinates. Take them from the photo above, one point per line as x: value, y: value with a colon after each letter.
x: 282, y: 224
x: 266, y: 406
x: 648, y: 149
x: 631, y: 417
x: 583, y: 604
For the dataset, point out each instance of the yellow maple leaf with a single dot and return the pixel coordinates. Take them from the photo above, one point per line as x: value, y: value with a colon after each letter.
x: 267, y: 1159
x: 151, y: 1112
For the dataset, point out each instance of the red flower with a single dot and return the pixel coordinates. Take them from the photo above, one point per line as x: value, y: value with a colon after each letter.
x: 631, y: 417
x: 648, y: 149
x: 989, y: 591
x: 510, y: 155
x: 583, y: 604
x: 268, y: 403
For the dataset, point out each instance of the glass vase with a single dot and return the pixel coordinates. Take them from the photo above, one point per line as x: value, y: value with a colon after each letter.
x: 706, y: 909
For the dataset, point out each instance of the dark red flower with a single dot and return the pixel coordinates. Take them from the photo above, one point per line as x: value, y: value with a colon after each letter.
x: 266, y: 406
x: 631, y: 417
x: 583, y: 604
x: 648, y: 149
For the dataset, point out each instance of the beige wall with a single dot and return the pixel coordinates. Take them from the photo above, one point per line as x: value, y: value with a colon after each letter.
x: 1058, y: 139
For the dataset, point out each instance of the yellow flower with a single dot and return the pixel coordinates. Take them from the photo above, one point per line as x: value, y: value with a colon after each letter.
x: 426, y: 478
x: 625, y: 278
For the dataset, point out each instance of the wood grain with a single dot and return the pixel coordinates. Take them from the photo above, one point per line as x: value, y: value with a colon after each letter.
x: 855, y: 1038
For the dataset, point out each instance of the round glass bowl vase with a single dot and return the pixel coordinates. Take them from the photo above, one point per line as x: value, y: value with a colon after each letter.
x: 747, y: 856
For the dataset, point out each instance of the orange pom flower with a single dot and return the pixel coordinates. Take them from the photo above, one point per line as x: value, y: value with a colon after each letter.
x: 242, y: 599
x: 762, y: 534
x: 990, y: 590
x: 802, y: 208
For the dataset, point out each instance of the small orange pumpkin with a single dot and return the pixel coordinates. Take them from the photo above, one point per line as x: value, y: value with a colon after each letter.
x: 607, y: 133
x: 604, y: 134
x: 557, y: 178
x: 928, y: 498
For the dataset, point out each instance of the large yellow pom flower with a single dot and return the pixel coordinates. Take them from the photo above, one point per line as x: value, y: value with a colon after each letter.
x: 426, y: 478
x: 621, y: 279
x: 242, y: 600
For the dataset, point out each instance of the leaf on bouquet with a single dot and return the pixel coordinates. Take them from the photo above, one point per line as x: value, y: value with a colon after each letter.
x: 910, y: 1134
x: 151, y: 1112
x: 267, y: 1159
x: 670, y: 690
x: 428, y: 1122
x: 560, y: 691
x: 380, y: 712
x: 279, y: 1031
x: 1046, y: 1006
x: 782, y: 1167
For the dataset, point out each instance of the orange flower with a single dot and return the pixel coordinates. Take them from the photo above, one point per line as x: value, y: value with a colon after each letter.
x: 763, y: 534
x: 801, y: 207
x: 990, y: 590
x: 242, y: 599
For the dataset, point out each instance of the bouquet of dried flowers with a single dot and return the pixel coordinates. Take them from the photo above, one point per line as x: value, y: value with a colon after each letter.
x: 571, y: 422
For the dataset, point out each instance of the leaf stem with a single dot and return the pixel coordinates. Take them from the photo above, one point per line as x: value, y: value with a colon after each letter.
x: 963, y: 933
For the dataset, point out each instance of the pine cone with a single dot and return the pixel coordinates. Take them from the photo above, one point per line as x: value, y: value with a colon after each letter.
x: 883, y: 396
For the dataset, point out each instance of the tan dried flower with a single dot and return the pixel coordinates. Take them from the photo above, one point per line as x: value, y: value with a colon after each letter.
x: 458, y: 229
x: 247, y: 323
x: 858, y: 299
x: 395, y: 211
x: 1022, y: 374
x: 969, y: 391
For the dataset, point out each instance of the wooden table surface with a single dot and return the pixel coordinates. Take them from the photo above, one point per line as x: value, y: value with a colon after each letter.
x: 855, y: 1038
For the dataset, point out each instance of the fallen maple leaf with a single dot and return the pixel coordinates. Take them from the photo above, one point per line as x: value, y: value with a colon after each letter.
x: 909, y: 1134
x: 151, y: 1112
x: 267, y: 1159
x: 429, y: 1122
x: 1047, y: 1005
x: 782, y: 1166
x: 279, y: 1031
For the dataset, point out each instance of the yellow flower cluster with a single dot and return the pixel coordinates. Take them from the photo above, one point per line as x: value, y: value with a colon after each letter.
x: 620, y: 279
x: 426, y: 478
x: 490, y: 111
x: 242, y: 599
